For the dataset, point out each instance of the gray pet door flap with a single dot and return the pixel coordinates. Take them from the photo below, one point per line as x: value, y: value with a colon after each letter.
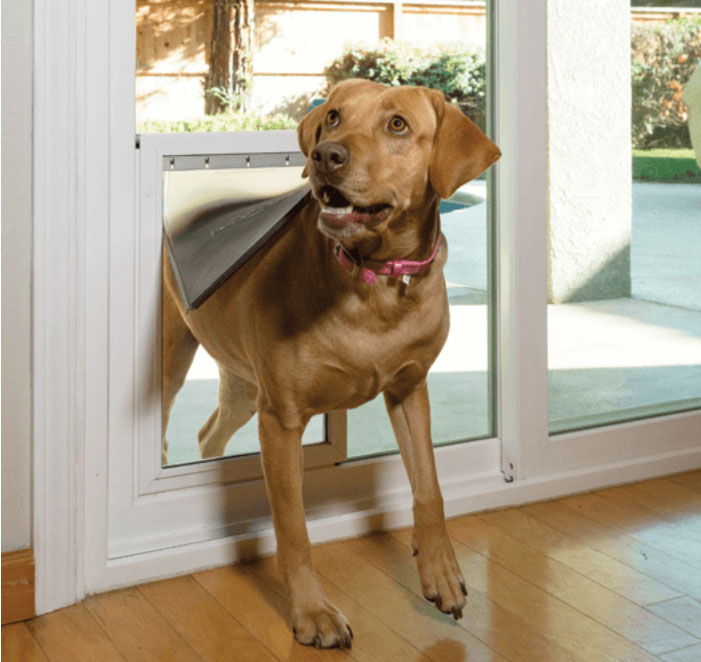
x: 219, y: 210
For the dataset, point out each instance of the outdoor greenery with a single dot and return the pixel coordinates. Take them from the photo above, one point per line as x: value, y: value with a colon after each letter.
x: 221, y: 122
x: 458, y: 73
x: 665, y: 165
x: 663, y: 59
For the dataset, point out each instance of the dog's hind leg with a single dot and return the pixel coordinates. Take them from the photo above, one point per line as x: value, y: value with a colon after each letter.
x: 178, y: 347
x: 237, y: 404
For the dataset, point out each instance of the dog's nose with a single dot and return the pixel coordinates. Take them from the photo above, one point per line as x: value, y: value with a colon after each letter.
x: 330, y: 156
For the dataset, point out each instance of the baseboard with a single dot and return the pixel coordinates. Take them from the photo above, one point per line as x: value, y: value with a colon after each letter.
x: 17, y: 585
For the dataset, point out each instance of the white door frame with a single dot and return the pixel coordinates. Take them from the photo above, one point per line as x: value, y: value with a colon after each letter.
x: 85, y: 210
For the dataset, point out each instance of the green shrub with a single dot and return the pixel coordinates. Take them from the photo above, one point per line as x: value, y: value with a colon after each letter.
x: 221, y: 122
x: 663, y: 59
x: 459, y: 74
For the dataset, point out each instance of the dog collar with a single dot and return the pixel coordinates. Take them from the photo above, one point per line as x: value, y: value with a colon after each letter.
x: 392, y: 268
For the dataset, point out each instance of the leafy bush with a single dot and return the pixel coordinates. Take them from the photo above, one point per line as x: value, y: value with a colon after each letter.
x: 459, y: 74
x: 221, y: 122
x: 663, y: 59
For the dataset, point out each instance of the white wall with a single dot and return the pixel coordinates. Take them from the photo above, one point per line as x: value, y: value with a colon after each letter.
x: 17, y: 54
x: 589, y: 157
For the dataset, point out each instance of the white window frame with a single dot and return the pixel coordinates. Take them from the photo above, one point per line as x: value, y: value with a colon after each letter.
x: 85, y: 225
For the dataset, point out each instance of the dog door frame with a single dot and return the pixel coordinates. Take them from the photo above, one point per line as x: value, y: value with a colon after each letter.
x: 197, y: 147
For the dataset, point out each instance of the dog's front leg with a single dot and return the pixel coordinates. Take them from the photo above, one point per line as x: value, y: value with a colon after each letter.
x: 441, y: 579
x: 315, y: 621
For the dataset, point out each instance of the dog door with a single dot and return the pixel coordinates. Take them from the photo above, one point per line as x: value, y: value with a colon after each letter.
x: 211, y: 201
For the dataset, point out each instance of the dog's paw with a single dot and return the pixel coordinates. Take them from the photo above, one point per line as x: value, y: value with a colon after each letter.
x: 322, y: 627
x: 441, y: 580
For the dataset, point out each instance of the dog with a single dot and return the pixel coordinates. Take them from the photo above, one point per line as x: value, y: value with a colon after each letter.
x: 347, y: 301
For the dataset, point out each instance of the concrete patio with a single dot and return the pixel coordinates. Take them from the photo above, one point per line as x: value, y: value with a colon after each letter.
x: 609, y: 360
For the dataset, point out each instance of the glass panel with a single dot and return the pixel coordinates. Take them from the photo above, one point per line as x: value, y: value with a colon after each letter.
x: 271, y: 73
x: 625, y: 335
x: 460, y: 381
x: 196, y: 401
x: 269, y: 63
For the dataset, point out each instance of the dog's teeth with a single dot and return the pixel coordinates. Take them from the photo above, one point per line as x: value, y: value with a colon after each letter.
x: 325, y: 195
x: 340, y: 211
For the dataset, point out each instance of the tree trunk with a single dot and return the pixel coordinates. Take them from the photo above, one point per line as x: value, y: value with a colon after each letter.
x: 219, y: 76
x: 242, y: 60
x: 228, y: 82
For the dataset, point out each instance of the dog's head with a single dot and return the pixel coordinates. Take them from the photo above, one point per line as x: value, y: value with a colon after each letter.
x: 376, y: 152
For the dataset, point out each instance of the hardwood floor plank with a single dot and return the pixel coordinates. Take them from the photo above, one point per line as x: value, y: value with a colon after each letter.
x: 413, y: 618
x: 671, y: 502
x: 612, y: 576
x: 18, y: 644
x: 691, y: 480
x: 73, y: 635
x: 502, y: 629
x: 202, y: 622
x: 580, y: 557
x: 261, y: 609
x: 640, y: 523
x: 684, y: 612
x: 690, y: 654
x: 135, y: 627
x: 604, y: 608
x: 374, y: 641
x: 654, y: 634
x: 566, y: 626
x: 619, y: 545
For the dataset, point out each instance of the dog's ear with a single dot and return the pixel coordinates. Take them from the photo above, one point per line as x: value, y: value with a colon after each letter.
x: 308, y: 132
x: 461, y: 151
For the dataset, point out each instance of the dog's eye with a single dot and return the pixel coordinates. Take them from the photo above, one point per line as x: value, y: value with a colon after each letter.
x: 398, y: 126
x: 333, y: 118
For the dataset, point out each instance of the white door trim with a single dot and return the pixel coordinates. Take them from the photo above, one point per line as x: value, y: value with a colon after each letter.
x: 58, y: 300
x: 521, y: 179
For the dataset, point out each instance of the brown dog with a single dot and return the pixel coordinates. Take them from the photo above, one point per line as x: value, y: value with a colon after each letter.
x: 301, y: 328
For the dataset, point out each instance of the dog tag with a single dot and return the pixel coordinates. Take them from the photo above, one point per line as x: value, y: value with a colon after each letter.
x: 406, y: 278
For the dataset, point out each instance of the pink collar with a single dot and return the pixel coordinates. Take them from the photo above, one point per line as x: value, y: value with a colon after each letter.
x: 391, y: 268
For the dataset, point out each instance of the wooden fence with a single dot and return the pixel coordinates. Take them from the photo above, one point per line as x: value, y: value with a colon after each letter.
x: 294, y: 41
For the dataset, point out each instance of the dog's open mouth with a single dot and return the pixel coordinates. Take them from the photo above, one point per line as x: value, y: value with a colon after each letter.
x: 337, y: 208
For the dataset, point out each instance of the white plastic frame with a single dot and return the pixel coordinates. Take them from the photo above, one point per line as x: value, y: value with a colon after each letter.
x: 153, y: 477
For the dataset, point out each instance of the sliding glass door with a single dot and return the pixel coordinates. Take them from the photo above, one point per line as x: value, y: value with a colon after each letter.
x: 624, y: 292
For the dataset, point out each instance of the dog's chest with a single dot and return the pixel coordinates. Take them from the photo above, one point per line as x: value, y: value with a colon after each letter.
x: 349, y: 361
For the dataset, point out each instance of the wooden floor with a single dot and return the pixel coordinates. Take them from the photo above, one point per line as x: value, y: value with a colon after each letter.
x: 612, y: 575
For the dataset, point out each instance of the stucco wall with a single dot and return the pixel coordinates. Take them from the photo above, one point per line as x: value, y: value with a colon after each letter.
x: 16, y: 271
x: 589, y: 152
